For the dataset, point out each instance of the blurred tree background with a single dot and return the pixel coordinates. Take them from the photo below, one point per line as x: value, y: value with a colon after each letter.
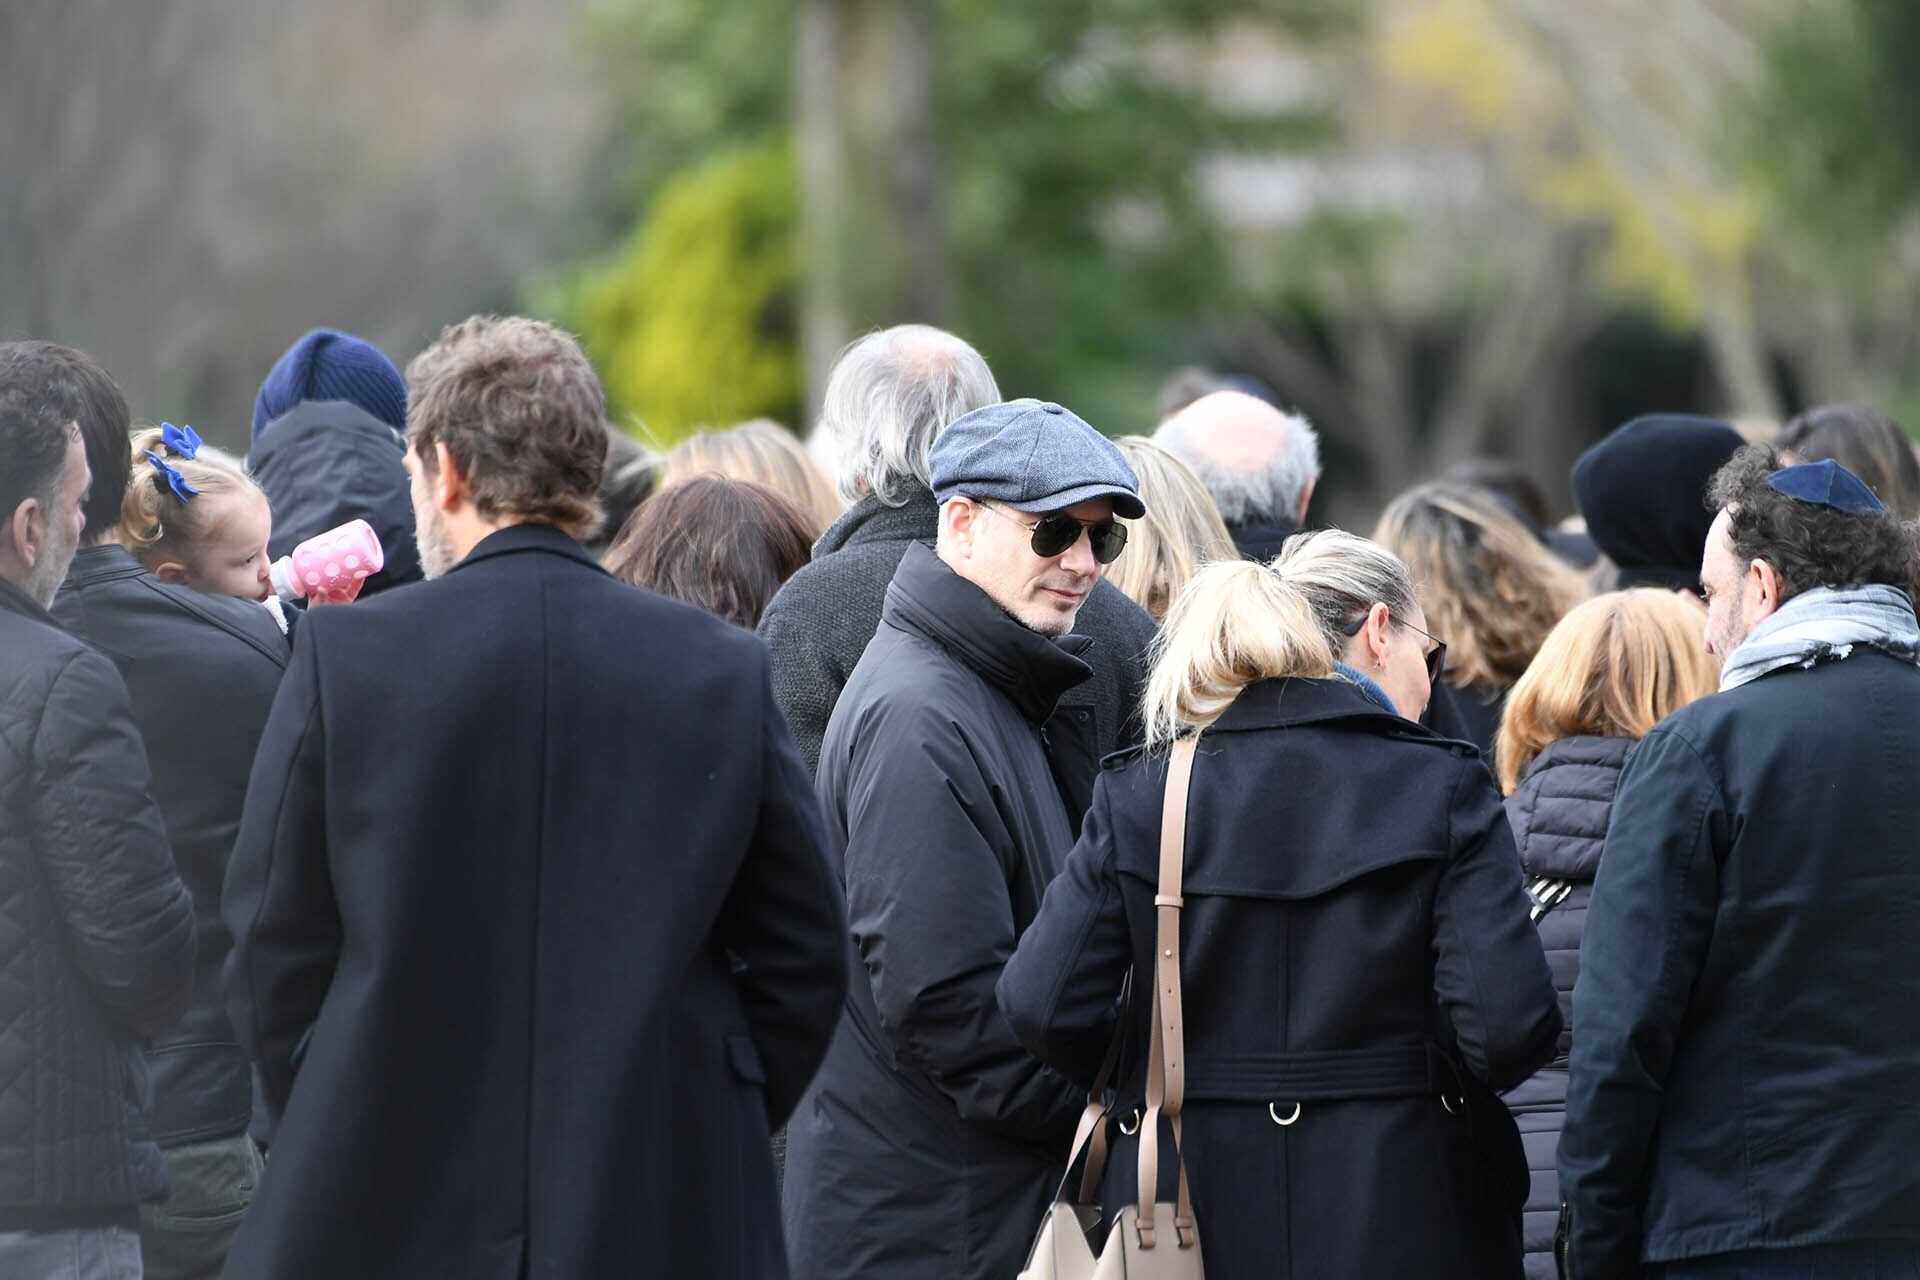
x: 1440, y: 227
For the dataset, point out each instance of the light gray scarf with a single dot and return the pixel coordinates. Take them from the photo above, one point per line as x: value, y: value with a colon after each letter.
x: 1825, y: 624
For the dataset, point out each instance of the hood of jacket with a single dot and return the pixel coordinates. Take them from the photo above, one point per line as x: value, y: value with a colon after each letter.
x: 325, y: 462
x: 927, y: 598
x: 1560, y: 809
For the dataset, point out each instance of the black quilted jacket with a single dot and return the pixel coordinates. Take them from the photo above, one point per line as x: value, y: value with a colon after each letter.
x: 1559, y: 814
x: 96, y: 932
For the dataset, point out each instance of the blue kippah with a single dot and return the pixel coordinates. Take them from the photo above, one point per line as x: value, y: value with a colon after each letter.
x: 1828, y: 484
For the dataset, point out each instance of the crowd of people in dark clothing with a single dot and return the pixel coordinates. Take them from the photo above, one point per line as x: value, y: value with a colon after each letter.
x: 961, y: 846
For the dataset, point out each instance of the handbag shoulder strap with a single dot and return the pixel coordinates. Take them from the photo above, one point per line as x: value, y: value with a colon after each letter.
x: 1166, y: 1063
x: 1091, y: 1134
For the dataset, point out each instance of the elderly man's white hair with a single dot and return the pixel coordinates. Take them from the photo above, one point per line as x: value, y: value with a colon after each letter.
x: 889, y: 395
x: 1258, y: 462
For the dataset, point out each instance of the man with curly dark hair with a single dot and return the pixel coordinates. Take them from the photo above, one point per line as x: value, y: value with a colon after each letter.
x: 1742, y: 1091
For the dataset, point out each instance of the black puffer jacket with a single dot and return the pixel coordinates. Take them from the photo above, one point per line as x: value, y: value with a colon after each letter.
x: 96, y: 932
x: 821, y: 620
x: 929, y: 1142
x: 325, y: 462
x: 1559, y: 814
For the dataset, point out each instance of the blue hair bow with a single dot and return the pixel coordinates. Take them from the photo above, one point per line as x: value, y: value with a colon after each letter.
x: 173, y: 479
x: 181, y: 440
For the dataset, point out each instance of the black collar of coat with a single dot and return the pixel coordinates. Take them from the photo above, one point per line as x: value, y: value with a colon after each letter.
x: 526, y: 537
x: 929, y: 599
x: 1261, y: 538
x: 871, y: 520
x: 1289, y: 701
x: 15, y: 600
x: 111, y: 562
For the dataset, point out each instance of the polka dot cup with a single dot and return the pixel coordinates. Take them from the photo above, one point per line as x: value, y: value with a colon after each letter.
x: 329, y: 568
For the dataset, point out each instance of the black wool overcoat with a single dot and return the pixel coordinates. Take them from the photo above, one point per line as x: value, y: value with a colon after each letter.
x: 1355, y: 958
x: 535, y: 934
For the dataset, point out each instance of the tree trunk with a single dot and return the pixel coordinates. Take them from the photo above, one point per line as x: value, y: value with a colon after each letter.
x: 873, y: 245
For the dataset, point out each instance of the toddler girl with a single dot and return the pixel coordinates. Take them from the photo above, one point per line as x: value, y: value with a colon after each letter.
x: 194, y: 519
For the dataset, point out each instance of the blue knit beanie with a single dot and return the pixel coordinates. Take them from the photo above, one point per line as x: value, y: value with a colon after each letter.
x: 326, y: 365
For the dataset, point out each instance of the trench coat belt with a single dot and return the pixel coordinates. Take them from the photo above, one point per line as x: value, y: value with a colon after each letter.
x: 1320, y: 1076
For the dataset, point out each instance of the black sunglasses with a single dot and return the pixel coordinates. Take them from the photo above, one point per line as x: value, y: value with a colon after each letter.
x: 1054, y: 534
x: 1436, y: 656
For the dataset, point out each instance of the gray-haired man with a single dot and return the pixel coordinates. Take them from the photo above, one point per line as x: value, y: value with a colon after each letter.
x: 890, y: 396
x: 1259, y: 463
x: 930, y: 1140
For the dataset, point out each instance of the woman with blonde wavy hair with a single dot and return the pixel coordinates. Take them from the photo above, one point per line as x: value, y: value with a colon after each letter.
x: 1181, y: 531
x: 1491, y: 589
x: 763, y: 452
x: 1612, y: 669
x: 1347, y: 874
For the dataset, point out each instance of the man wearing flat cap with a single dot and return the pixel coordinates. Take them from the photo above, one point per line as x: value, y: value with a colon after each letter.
x: 1745, y: 1089
x: 931, y: 1141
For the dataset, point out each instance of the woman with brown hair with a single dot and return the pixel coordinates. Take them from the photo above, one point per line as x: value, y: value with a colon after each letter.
x: 1614, y: 667
x: 1181, y: 531
x: 1489, y: 588
x: 724, y: 545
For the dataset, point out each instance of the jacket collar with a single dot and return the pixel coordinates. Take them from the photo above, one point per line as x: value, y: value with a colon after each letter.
x: 1289, y: 701
x: 929, y: 599
x: 526, y: 537
x: 111, y: 562
x: 871, y: 520
x: 103, y: 563
x: 1261, y: 538
x: 15, y: 600
x: 310, y: 416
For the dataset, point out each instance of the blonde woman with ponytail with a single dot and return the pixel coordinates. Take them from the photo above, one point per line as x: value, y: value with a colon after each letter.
x: 1359, y: 974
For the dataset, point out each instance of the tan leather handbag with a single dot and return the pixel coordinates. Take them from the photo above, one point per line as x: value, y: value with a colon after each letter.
x: 1151, y: 1240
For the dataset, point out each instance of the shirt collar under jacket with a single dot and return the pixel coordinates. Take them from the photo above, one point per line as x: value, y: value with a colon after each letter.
x: 927, y: 598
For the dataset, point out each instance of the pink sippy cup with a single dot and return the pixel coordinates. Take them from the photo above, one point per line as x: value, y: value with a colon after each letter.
x: 329, y: 567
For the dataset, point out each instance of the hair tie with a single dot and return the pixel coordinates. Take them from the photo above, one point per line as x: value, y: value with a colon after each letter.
x: 171, y: 478
x: 184, y: 441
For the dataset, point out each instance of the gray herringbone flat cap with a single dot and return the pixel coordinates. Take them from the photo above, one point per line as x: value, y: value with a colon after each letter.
x: 1032, y: 455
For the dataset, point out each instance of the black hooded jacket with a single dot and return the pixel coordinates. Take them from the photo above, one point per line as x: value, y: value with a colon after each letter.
x: 325, y: 462
x: 930, y: 1140
x: 1642, y: 491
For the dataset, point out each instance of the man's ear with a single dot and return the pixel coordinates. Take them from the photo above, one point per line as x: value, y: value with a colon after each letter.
x: 1306, y: 497
x: 448, y: 484
x: 957, y: 517
x: 1764, y: 581
x: 27, y: 528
